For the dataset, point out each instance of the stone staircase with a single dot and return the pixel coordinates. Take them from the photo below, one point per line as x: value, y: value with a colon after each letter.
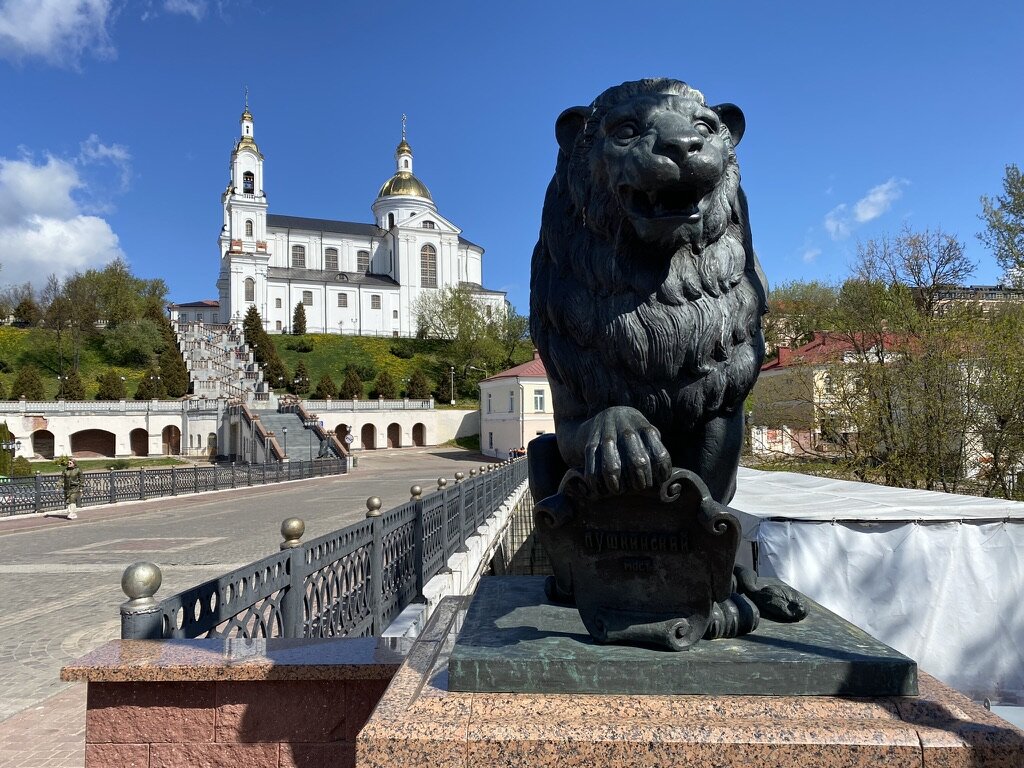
x: 221, y: 365
x: 299, y: 438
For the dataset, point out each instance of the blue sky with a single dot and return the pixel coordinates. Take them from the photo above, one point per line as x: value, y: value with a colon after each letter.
x: 118, y: 118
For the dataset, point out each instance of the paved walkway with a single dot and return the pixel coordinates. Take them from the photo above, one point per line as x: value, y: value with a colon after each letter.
x: 60, y: 580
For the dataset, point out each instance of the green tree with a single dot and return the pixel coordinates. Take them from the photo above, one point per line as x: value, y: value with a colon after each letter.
x: 455, y: 314
x: 133, y: 344
x: 419, y: 386
x: 325, y: 388
x: 151, y: 387
x: 1004, y: 226
x: 252, y: 328
x: 28, y: 384
x: 797, y: 309
x: 384, y: 386
x: 27, y: 311
x: 5, y: 456
x: 111, y: 386
x: 275, y: 373
x: 351, y: 385
x: 71, y: 387
x: 508, y: 329
x: 299, y: 320
x: 173, y: 372
x: 300, y: 381
x: 3, y: 391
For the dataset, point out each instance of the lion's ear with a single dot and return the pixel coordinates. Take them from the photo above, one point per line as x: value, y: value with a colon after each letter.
x: 569, y: 125
x: 733, y: 118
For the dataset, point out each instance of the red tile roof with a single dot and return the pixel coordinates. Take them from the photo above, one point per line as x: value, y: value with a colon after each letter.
x: 827, y: 347
x: 534, y: 367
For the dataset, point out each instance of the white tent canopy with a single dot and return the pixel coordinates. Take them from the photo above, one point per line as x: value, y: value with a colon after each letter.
x: 939, y: 577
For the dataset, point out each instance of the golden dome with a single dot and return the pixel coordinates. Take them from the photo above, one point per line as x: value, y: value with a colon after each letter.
x: 404, y: 183
x: 403, y: 148
x: 247, y: 142
x: 247, y: 115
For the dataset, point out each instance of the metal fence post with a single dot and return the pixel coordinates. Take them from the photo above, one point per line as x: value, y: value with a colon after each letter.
x: 112, y: 489
x: 195, y: 478
x: 142, y: 484
x: 39, y: 493
x: 374, y: 513
x: 174, y: 482
x: 141, y: 618
x: 292, y: 601
x: 416, y: 494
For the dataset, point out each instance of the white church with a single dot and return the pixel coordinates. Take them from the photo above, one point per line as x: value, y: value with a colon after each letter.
x: 352, y: 278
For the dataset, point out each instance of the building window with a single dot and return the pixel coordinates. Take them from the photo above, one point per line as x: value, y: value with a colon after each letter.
x: 374, y: 301
x: 363, y: 261
x: 490, y: 441
x: 391, y: 220
x: 538, y: 400
x: 428, y: 225
x: 298, y: 257
x: 331, y: 259
x: 248, y: 183
x: 250, y: 289
x: 199, y: 317
x: 248, y: 227
x: 511, y: 401
x: 405, y: 163
x: 428, y: 266
x: 488, y: 402
x: 277, y: 303
x: 277, y: 325
x: 307, y: 298
x: 394, y: 314
x: 342, y: 299
x: 214, y: 318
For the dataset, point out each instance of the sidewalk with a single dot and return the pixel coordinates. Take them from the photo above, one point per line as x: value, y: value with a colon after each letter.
x: 50, y: 734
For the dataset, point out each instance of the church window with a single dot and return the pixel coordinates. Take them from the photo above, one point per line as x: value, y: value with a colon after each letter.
x: 375, y: 301
x: 342, y: 299
x: 248, y: 227
x: 428, y: 266
x: 331, y: 259
x: 248, y: 182
x: 394, y: 314
x: 405, y: 163
x: 391, y: 220
x: 277, y: 325
x: 428, y: 225
x: 307, y: 298
x: 250, y: 289
x: 299, y: 256
x: 277, y: 303
x: 363, y: 261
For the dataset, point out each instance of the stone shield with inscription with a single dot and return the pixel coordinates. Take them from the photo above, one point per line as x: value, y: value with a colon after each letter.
x: 643, y: 567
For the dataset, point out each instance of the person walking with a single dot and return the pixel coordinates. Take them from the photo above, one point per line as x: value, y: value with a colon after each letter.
x: 72, y: 477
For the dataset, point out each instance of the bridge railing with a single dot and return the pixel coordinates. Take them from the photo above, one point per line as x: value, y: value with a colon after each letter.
x: 349, y: 583
x: 43, y: 493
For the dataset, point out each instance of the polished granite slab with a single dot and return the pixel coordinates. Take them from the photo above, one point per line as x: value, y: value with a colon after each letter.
x: 514, y: 640
x: 420, y: 721
x: 239, y: 659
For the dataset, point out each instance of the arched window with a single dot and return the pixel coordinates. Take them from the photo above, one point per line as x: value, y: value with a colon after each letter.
x: 307, y: 298
x: 428, y: 266
x: 250, y: 289
x: 405, y: 163
x: 298, y: 257
x: 363, y: 261
x: 391, y: 220
x: 248, y: 182
x: 331, y: 259
x: 248, y: 227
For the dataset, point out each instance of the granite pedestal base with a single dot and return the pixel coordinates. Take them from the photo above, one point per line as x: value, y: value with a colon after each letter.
x: 420, y: 722
x: 514, y: 640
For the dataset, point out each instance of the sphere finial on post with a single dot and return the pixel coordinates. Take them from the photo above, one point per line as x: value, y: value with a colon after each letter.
x: 459, y: 477
x: 441, y: 483
x: 415, y: 492
x: 292, y: 529
x: 373, y: 507
x: 140, y: 581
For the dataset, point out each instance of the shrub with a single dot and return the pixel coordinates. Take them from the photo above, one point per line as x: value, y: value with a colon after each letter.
x: 151, y: 387
x: 352, y: 386
x: 419, y: 387
x: 71, y: 387
x: 111, y: 386
x: 299, y: 345
x: 324, y: 388
x: 384, y: 387
x: 27, y: 384
x: 21, y: 467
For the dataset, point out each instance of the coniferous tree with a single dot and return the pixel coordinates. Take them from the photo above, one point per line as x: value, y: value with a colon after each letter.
x: 28, y: 384
x: 352, y: 385
x: 299, y: 320
x: 5, y: 456
x: 300, y: 381
x: 111, y: 386
x: 71, y: 387
x: 324, y: 388
x: 173, y: 372
x: 384, y: 386
x: 419, y: 387
x: 275, y: 373
x: 151, y: 387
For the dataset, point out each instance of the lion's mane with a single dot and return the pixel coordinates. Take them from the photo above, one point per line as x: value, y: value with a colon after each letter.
x: 678, y: 337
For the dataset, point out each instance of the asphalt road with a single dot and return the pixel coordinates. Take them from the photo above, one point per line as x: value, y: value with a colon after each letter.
x: 60, y: 580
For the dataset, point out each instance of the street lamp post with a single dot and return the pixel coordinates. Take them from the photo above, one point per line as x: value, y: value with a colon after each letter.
x: 61, y: 395
x: 13, y: 446
x: 309, y: 424
x: 285, y: 430
x: 452, y: 371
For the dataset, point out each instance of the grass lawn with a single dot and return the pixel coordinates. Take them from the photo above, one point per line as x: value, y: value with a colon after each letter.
x: 46, y: 467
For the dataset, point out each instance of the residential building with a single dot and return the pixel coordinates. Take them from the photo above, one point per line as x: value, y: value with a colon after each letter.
x: 515, y: 407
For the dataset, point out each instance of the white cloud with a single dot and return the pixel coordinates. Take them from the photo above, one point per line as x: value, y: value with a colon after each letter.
x: 94, y: 151
x: 42, y: 228
x: 841, y: 220
x: 58, y: 31
x: 810, y: 255
x: 878, y: 200
x: 194, y: 8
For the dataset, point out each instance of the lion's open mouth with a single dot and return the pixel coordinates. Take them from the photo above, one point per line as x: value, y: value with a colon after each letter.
x: 673, y: 202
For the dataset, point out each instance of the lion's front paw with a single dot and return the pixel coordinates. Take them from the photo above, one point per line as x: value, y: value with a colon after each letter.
x: 623, y: 451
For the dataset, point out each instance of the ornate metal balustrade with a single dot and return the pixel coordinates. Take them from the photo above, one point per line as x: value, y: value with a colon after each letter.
x: 350, y: 583
x: 41, y: 493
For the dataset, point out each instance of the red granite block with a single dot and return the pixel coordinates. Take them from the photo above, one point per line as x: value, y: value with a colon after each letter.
x: 272, y: 711
x: 214, y: 755
x: 146, y: 712
x: 337, y: 755
x: 360, y: 700
x: 117, y: 756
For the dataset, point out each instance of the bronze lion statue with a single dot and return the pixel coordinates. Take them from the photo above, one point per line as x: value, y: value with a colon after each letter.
x: 646, y: 305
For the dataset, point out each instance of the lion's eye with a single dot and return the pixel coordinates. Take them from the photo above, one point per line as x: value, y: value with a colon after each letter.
x: 625, y: 131
x: 703, y: 128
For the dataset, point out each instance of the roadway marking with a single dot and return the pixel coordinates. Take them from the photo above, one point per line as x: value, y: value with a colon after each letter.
x: 148, y: 544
